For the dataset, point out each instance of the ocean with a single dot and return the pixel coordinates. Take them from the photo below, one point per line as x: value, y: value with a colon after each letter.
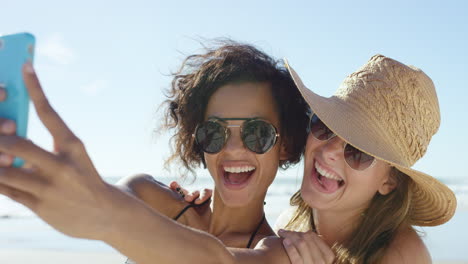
x: 21, y: 229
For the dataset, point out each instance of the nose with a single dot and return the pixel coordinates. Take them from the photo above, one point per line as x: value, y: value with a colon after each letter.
x: 333, y: 149
x: 234, y: 142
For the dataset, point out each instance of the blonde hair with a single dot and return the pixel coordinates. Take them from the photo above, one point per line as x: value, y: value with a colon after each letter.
x: 376, y: 229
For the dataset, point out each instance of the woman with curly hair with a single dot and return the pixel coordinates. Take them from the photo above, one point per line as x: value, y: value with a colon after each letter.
x: 229, y: 108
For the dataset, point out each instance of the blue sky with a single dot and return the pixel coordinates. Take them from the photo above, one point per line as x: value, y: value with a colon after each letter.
x: 105, y: 64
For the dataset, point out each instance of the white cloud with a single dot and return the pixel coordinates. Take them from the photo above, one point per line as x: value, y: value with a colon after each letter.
x: 55, y: 49
x: 95, y: 87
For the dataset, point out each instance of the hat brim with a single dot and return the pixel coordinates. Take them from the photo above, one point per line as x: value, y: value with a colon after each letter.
x: 433, y: 203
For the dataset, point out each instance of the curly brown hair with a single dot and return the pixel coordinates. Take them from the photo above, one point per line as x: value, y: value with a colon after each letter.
x: 230, y: 62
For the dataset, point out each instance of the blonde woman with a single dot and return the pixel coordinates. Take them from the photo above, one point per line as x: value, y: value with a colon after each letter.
x: 359, y: 198
x: 359, y: 192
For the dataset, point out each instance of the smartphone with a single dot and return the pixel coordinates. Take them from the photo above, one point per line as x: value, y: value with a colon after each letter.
x: 15, y: 50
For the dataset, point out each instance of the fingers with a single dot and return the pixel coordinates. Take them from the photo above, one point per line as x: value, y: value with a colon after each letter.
x: 191, y: 197
x: 306, y: 247
x: 177, y: 188
x: 293, y: 254
x: 173, y: 185
x: 182, y: 191
x: 204, y: 196
x: 21, y: 197
x: 19, y: 147
x: 22, y: 180
x: 327, y: 252
x: 6, y: 160
x: 52, y: 121
x: 7, y: 127
x: 3, y: 94
x: 296, y: 246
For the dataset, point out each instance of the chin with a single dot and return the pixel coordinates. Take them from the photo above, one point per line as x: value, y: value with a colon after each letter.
x: 311, y: 198
x: 307, y: 196
x: 315, y: 200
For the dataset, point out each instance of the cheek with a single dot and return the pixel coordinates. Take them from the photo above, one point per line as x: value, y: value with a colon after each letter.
x: 269, y: 162
x: 308, y: 148
x: 312, y: 143
x: 210, y: 160
x: 373, y: 177
x: 364, y: 184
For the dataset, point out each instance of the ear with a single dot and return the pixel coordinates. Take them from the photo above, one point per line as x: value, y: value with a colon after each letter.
x: 389, y: 184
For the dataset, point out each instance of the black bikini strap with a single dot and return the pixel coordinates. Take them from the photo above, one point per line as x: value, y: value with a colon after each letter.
x: 189, y: 206
x: 255, y: 232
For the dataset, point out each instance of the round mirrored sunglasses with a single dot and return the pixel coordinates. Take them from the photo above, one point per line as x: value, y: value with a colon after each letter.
x: 257, y: 135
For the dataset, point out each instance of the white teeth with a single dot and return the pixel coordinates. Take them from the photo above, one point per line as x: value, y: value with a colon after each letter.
x: 325, y: 173
x: 239, y: 169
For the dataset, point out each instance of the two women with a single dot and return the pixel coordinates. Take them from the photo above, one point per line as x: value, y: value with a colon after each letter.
x: 359, y: 195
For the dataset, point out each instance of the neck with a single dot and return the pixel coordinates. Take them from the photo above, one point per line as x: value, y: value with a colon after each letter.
x: 335, y: 226
x: 226, y: 220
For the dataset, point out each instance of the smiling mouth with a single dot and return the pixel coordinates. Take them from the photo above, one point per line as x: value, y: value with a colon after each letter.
x: 329, y: 181
x: 237, y: 175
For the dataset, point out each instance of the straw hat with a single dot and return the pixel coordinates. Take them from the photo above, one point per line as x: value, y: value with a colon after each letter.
x: 390, y: 111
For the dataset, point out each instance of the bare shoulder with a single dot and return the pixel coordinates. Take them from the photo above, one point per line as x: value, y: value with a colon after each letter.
x: 273, y: 250
x: 407, y: 247
x: 268, y: 251
x: 154, y: 193
x: 142, y: 185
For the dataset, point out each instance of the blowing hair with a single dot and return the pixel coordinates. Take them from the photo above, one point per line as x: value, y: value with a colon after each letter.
x: 200, y: 75
x: 376, y: 229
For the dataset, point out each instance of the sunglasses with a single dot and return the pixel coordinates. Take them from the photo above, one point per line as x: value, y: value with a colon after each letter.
x: 355, y: 158
x: 257, y: 135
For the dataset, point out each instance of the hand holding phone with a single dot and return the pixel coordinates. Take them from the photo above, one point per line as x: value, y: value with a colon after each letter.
x: 15, y: 50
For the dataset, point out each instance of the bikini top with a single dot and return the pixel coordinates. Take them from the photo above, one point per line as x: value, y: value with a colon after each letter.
x: 129, y: 261
x: 198, y: 205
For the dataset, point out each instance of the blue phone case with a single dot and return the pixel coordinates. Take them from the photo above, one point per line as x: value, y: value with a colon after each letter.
x: 15, y: 50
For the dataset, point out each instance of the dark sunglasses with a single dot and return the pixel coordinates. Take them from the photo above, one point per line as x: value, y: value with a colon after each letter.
x: 355, y: 158
x: 257, y: 135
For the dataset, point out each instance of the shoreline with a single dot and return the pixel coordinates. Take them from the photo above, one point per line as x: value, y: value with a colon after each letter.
x: 21, y: 256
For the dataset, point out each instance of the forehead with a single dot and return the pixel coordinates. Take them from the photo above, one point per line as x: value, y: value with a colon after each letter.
x: 243, y: 100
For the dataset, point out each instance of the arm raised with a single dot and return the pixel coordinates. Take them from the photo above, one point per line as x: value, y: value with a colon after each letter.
x: 65, y: 190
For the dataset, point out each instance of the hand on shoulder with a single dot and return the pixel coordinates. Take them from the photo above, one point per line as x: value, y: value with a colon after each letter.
x: 272, y: 249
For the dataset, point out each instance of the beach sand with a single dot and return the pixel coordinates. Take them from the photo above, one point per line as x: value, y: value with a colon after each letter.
x: 14, y: 256
x: 72, y: 257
